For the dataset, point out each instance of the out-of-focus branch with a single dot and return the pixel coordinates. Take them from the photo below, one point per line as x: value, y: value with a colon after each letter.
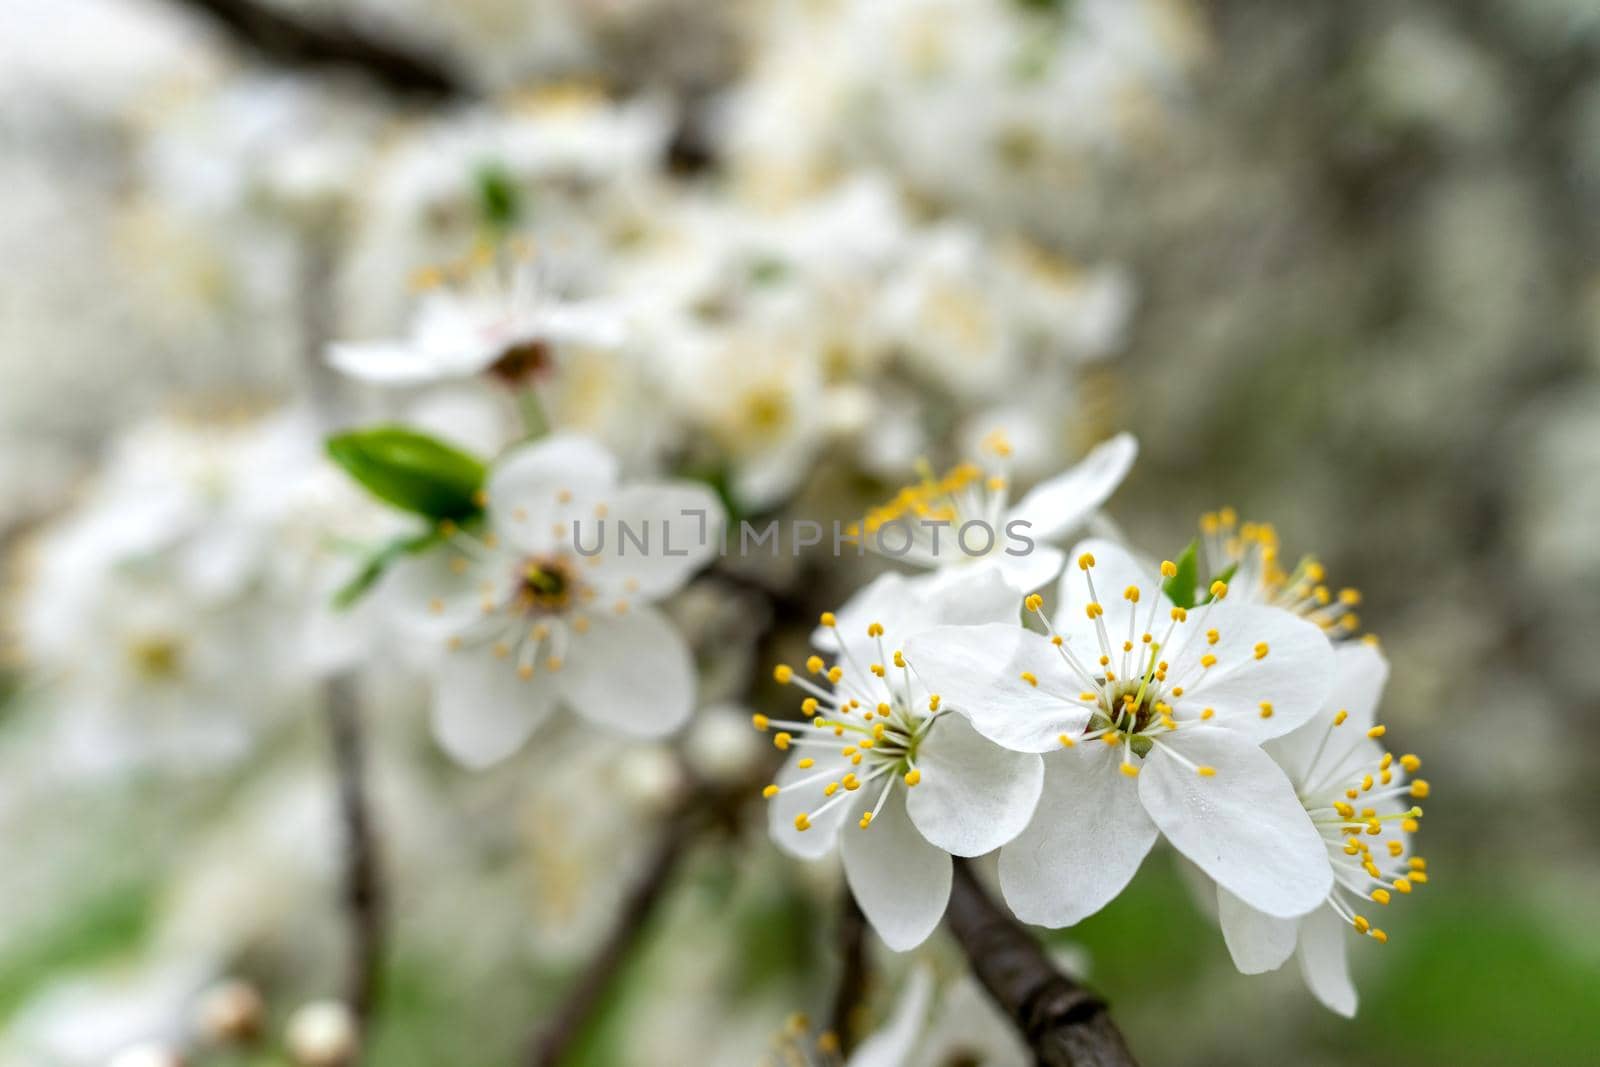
x: 363, y: 896
x: 287, y: 39
x: 844, y: 1020
x: 705, y: 808
x: 1065, y: 1024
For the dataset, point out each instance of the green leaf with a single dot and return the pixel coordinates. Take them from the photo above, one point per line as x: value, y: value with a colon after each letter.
x: 378, y: 562
x: 412, y: 471
x: 1180, y: 587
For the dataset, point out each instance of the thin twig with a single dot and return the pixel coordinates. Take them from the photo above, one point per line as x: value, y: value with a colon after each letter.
x: 362, y: 895
x: 1064, y: 1023
x: 290, y: 40
x: 849, y: 993
x: 677, y: 834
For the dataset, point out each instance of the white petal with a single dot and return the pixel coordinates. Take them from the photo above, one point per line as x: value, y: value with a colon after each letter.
x: 792, y: 800
x: 1033, y: 570
x: 900, y: 880
x: 671, y: 531
x: 630, y: 672
x: 439, y: 592
x: 1293, y: 677
x: 1055, y: 507
x: 1257, y: 942
x: 956, y: 596
x: 548, y: 482
x: 891, y: 1044
x: 1360, y: 671
x: 1087, y: 838
x: 974, y: 796
x: 385, y: 363
x: 1243, y: 826
x: 977, y: 671
x: 586, y: 324
x: 483, y: 711
x: 1323, y: 963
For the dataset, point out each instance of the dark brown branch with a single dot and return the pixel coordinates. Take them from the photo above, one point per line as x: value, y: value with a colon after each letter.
x: 844, y: 1020
x: 363, y: 897
x: 289, y: 40
x: 1066, y: 1024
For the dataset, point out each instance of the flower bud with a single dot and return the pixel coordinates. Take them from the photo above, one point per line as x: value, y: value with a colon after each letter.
x: 146, y: 1056
x: 231, y: 1013
x: 323, y: 1034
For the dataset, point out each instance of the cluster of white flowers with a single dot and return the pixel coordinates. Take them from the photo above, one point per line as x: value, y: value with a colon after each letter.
x: 1236, y: 725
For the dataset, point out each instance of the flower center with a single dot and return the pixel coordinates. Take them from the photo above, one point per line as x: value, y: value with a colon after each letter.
x: 545, y: 584
x: 156, y: 657
x: 522, y: 362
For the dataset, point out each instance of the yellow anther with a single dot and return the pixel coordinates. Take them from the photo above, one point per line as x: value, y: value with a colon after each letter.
x: 1219, y: 589
x: 1417, y: 863
x: 1402, y: 885
x: 781, y: 740
x: 1086, y: 561
x: 877, y: 669
x: 1206, y: 772
x: 1344, y: 809
x: 1208, y: 660
x: 1352, y: 597
x: 866, y: 742
x: 1266, y: 709
x: 1029, y: 677
x: 1419, y: 789
x: 828, y: 619
x: 1169, y: 569
x: 933, y: 701
x: 1066, y: 742
x: 554, y: 663
x: 810, y: 705
x: 1034, y: 602
x: 1340, y: 717
x: 866, y: 821
x: 1179, y: 615
x: 830, y: 789
x: 1131, y: 594
x: 1381, y: 896
x: 1410, y: 762
x: 1261, y: 650
x: 1379, y: 936
x: 802, y: 822
x: 783, y: 674
x: 899, y: 659
x: 913, y: 776
x: 834, y: 674
x: 1094, y: 610
x: 814, y: 664
x: 1366, y: 782
x: 770, y: 791
x: 1130, y: 770
x: 1360, y: 923
x: 1395, y: 848
x: 806, y: 763
x: 875, y: 629
x: 1208, y: 713
x: 1055, y: 639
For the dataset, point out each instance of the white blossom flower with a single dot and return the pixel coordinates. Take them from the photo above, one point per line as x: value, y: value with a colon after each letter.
x: 1247, y: 555
x: 511, y: 327
x: 966, y: 515
x: 1156, y: 715
x: 1358, y: 798
x: 878, y: 750
x: 532, y: 621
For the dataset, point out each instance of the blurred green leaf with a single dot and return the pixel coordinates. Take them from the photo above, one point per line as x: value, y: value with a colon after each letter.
x: 1180, y: 587
x: 412, y: 471
x: 109, y: 922
x: 378, y: 562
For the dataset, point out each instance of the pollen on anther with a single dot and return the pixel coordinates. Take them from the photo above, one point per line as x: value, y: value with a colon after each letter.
x: 1130, y: 770
x: 1033, y: 602
x: 913, y: 776
x: 770, y: 791
x: 783, y: 674
x: 1030, y: 678
x: 1261, y: 650
x: 1206, y: 772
